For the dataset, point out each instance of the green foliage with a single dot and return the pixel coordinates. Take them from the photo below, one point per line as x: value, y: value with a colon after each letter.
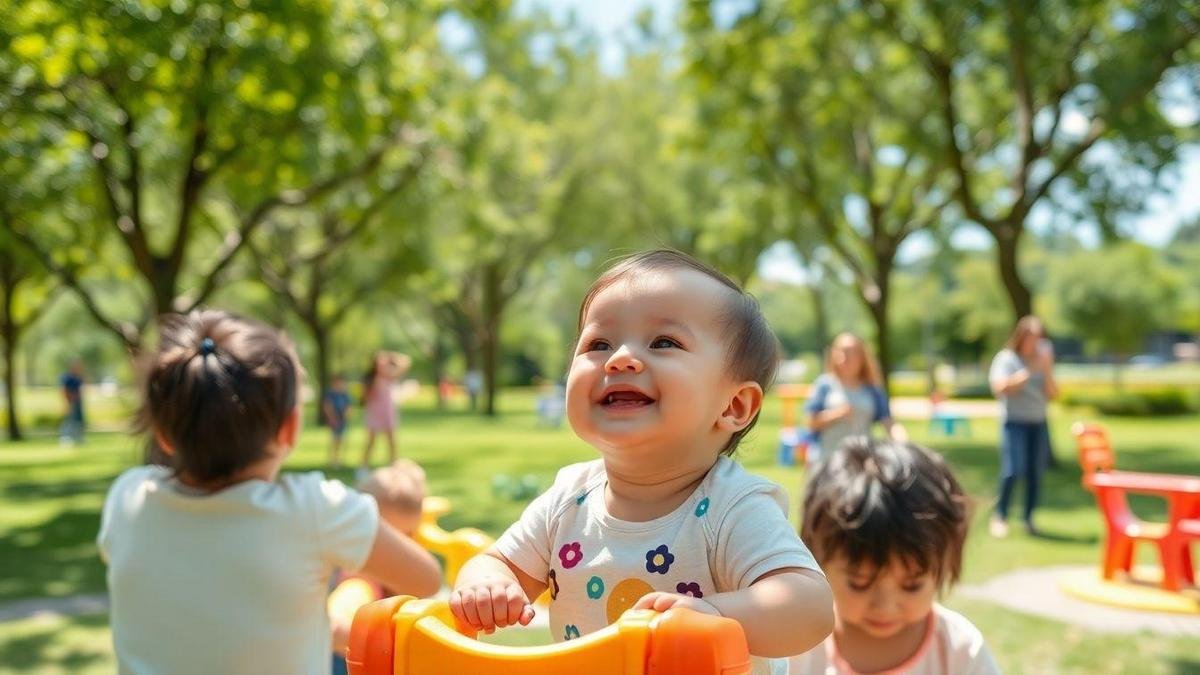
x: 1149, y: 403
x: 1114, y: 297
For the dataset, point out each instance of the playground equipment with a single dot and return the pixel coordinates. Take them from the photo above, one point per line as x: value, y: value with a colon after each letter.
x: 454, y: 548
x: 1124, y: 529
x: 402, y: 635
x: 947, y: 421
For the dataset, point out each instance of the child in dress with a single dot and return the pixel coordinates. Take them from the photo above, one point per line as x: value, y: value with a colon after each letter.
x: 668, y: 376
x: 887, y: 521
x: 380, y: 406
x: 218, y: 563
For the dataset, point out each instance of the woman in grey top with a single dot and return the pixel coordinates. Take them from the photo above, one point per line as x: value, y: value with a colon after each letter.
x: 1022, y: 378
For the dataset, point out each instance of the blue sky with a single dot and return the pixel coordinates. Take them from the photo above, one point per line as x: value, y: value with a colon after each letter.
x: 608, y: 19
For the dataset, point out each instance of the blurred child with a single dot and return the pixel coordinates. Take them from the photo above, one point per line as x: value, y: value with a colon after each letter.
x: 336, y: 407
x: 380, y: 405
x: 668, y: 376
x: 218, y: 563
x: 399, y: 490
x: 887, y: 522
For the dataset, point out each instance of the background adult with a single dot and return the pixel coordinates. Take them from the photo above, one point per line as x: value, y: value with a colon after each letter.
x: 848, y: 398
x: 1022, y: 378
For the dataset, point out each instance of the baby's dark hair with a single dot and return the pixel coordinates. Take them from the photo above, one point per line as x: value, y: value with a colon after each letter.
x: 217, y: 389
x: 753, y: 351
x: 872, y: 502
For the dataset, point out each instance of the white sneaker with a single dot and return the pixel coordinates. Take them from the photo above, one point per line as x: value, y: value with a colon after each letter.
x: 998, y: 528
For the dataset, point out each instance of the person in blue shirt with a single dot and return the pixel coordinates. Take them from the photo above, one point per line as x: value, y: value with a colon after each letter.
x: 71, y: 431
x: 336, y: 407
x: 848, y: 398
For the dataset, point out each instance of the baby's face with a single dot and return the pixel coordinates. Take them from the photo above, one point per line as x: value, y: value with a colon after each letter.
x: 650, y: 367
x: 896, y: 598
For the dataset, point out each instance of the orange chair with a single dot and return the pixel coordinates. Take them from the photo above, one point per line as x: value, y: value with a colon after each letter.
x: 1124, y: 528
x: 404, y: 636
x: 1177, y: 553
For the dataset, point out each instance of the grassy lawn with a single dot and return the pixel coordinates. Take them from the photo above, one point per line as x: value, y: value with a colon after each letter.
x: 50, y: 499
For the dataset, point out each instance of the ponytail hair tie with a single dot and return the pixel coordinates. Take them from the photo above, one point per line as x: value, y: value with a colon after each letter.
x: 207, y: 346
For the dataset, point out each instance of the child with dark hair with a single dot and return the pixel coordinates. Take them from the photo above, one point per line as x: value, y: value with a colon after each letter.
x: 217, y: 563
x: 668, y: 376
x: 887, y: 522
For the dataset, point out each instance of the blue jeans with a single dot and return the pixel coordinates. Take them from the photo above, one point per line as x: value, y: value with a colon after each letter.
x: 1024, y: 447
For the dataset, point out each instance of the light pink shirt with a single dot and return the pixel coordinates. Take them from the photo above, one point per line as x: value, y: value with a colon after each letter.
x: 952, y: 646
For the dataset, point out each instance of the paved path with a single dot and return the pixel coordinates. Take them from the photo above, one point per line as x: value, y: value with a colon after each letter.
x: 1036, y: 591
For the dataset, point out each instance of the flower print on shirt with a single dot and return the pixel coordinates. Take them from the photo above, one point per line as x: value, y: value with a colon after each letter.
x: 659, y: 560
x: 553, y: 584
x: 595, y: 588
x: 570, y: 632
x: 691, y: 588
x: 570, y: 554
x: 702, y: 508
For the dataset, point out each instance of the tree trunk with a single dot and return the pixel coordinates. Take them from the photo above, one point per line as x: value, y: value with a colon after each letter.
x: 10, y: 376
x: 11, y: 333
x: 321, y: 339
x: 489, y: 342
x: 1007, y: 244
x: 879, y: 311
x: 820, y: 316
x: 439, y: 369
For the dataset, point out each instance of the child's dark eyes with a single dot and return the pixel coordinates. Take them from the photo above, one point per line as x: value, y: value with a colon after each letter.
x: 858, y: 588
x: 663, y: 343
x: 598, y: 346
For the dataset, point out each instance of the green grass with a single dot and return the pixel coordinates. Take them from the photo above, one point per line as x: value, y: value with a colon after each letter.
x: 50, y: 499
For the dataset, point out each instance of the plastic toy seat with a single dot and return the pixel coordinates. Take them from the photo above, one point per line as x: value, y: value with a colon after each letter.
x: 402, y: 635
x: 456, y: 547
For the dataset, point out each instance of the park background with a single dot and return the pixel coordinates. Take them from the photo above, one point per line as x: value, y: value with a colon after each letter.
x: 446, y: 178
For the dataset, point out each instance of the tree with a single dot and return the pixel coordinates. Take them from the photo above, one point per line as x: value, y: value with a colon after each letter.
x: 836, y: 120
x: 1113, y: 298
x: 1025, y: 90
x: 527, y: 163
x: 195, y: 122
x: 316, y: 261
x: 25, y: 292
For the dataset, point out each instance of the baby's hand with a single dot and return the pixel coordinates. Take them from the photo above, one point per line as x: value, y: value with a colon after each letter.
x: 487, y: 606
x: 661, y: 602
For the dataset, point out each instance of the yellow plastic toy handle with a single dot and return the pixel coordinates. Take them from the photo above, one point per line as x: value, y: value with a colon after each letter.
x: 406, y: 636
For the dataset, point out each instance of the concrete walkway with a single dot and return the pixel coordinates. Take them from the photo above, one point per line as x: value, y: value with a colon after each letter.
x: 1036, y: 591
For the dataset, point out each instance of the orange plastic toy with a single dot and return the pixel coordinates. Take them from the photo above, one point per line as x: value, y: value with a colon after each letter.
x: 406, y: 636
x: 455, y: 548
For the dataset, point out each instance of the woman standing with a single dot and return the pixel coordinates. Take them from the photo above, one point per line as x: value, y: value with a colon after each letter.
x: 1022, y: 378
x: 848, y: 398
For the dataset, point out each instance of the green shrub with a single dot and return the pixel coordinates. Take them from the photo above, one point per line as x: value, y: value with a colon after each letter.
x: 1150, y: 403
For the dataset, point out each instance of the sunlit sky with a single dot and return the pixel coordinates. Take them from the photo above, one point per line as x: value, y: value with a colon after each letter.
x: 1181, y: 203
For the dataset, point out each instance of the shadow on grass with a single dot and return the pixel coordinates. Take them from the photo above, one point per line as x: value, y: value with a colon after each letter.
x: 1184, y: 666
x: 41, y: 650
x: 57, y: 557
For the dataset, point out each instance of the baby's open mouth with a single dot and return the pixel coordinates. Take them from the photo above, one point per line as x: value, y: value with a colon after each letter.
x: 625, y: 399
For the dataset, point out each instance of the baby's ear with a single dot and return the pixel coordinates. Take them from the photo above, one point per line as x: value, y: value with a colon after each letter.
x: 743, y: 406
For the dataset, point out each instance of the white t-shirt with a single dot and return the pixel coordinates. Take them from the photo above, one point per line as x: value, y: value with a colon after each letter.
x: 229, y: 582
x: 729, y: 532
x: 952, y: 646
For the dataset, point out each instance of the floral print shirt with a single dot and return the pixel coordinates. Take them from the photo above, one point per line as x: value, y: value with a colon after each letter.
x: 732, y: 530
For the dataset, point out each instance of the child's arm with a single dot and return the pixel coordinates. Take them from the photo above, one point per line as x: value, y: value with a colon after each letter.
x: 401, y: 565
x: 784, y: 612
x: 491, y: 592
